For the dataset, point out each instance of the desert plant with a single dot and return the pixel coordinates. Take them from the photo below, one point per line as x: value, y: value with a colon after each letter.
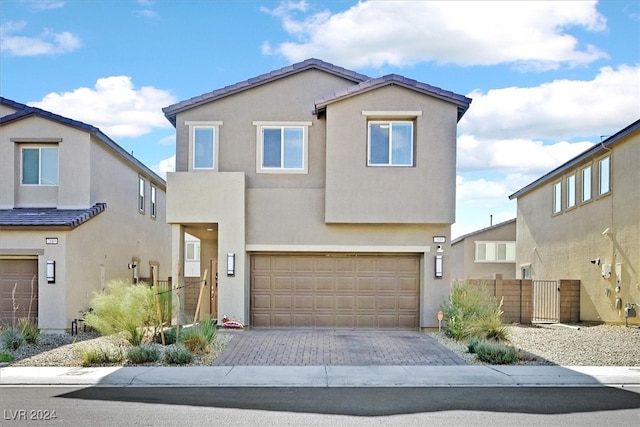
x: 472, y: 344
x: 471, y: 311
x: 178, y: 355
x: 91, y: 355
x: 12, y: 339
x: 170, y: 336
x: 208, y: 329
x: 5, y: 357
x: 123, y: 307
x: 29, y: 331
x: 143, y: 354
x: 195, y: 341
x: 496, y: 353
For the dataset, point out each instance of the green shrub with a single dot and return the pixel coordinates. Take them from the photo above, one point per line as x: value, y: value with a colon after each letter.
x: 195, y: 341
x: 178, y: 355
x: 29, y: 331
x: 5, y: 357
x: 170, y: 336
x: 143, y: 354
x: 496, y: 353
x: 123, y: 307
x: 12, y: 339
x: 208, y: 329
x: 91, y: 355
x: 472, y: 312
x: 472, y: 344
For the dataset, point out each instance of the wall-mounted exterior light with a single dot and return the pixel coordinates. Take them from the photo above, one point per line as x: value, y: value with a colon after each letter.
x: 51, y: 271
x: 231, y: 264
x: 438, y: 269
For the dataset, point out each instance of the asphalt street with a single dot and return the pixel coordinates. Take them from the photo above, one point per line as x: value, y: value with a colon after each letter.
x: 231, y: 406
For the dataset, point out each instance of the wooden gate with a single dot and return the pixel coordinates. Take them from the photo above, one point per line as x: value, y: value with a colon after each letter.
x: 546, y: 301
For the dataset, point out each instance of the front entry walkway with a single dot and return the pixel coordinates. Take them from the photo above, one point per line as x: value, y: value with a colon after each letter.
x: 307, y: 347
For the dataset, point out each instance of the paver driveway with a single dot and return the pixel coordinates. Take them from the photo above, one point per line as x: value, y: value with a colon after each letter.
x: 312, y: 347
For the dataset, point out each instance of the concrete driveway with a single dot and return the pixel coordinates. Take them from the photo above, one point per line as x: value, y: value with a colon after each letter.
x: 313, y: 347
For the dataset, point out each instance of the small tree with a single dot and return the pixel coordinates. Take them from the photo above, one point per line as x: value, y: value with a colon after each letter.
x: 123, y: 307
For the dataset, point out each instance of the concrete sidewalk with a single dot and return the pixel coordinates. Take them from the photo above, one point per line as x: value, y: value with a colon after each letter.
x: 325, y: 376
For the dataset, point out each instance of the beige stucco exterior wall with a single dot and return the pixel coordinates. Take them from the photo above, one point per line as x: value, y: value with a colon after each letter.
x: 101, y: 248
x: 258, y: 213
x: 425, y: 192
x: 561, y: 246
x: 463, y: 265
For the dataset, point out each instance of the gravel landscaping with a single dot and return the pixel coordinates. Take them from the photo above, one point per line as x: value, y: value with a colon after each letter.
x: 568, y: 345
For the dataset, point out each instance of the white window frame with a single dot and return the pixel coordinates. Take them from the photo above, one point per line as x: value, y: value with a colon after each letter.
x: 571, y: 191
x: 261, y: 125
x: 525, y: 271
x: 209, y: 124
x: 587, y: 184
x: 557, y: 198
x: 196, y: 251
x: 39, y: 148
x: 391, y: 123
x: 153, y: 204
x: 604, y: 180
x: 492, y: 251
x: 142, y: 188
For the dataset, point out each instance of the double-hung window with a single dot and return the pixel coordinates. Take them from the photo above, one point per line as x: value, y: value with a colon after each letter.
x: 390, y: 143
x: 586, y: 184
x: 40, y: 166
x: 557, y: 197
x: 571, y: 191
x: 141, y: 194
x: 495, y: 251
x: 604, y: 171
x: 154, y: 206
x: 282, y: 148
x: 203, y: 141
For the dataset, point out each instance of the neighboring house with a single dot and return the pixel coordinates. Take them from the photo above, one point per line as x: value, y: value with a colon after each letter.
x: 322, y: 193
x: 484, y: 253
x: 582, y: 221
x: 76, y: 210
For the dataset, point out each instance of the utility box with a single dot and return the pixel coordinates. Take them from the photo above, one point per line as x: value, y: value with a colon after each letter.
x: 630, y: 311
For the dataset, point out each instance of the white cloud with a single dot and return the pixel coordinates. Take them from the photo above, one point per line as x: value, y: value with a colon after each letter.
x: 47, y: 43
x: 164, y: 166
x: 114, y: 105
x: 530, y: 35
x: 39, y: 5
x: 559, y: 109
x: 168, y: 140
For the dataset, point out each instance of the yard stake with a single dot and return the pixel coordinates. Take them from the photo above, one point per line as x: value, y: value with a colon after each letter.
x: 203, y: 283
x: 156, y: 289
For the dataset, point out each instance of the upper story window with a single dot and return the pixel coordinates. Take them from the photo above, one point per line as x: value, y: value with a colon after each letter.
x: 586, y: 184
x: 154, y: 206
x: 557, y: 197
x: 495, y: 251
x: 604, y: 171
x: 390, y: 143
x: 282, y: 147
x: 203, y: 142
x: 571, y: 191
x: 40, y: 166
x: 141, y: 194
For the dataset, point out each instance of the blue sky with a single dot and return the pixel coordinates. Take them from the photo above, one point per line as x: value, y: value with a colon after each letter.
x: 547, y: 79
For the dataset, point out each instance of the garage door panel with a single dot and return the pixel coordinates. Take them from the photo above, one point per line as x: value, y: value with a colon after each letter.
x: 335, y: 290
x: 19, y: 288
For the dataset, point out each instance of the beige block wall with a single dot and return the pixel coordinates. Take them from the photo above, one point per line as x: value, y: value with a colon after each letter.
x: 562, y: 246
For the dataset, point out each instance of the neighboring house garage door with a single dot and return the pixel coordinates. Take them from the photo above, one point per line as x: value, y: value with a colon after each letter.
x: 18, y: 290
x: 335, y: 290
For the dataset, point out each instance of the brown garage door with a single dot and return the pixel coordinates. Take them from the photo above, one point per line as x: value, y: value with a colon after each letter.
x: 335, y: 290
x: 18, y: 290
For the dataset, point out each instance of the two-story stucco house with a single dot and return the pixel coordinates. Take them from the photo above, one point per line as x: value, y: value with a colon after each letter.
x: 325, y: 197
x: 484, y: 253
x: 76, y: 210
x: 582, y: 221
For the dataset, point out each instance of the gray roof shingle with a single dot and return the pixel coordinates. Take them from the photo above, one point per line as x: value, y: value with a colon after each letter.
x: 171, y: 111
x: 48, y: 217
